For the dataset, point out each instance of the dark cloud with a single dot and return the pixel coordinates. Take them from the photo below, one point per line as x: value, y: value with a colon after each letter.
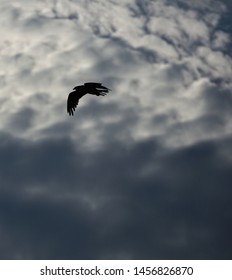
x: 22, y: 120
x: 42, y: 228
x: 140, y: 202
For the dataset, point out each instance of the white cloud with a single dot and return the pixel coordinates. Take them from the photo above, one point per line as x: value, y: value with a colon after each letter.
x: 220, y: 40
x: 162, y: 48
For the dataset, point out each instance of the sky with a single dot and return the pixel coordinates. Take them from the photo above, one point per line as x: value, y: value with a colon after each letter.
x: 142, y: 173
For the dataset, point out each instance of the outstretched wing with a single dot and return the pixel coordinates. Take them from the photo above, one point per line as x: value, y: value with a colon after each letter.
x: 97, y: 86
x: 73, y: 100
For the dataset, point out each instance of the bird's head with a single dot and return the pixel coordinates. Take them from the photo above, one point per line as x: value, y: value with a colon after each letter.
x: 76, y: 88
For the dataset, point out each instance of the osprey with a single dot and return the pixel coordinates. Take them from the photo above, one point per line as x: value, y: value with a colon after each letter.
x: 79, y: 91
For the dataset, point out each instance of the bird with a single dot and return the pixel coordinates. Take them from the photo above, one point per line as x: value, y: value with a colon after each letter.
x: 79, y: 91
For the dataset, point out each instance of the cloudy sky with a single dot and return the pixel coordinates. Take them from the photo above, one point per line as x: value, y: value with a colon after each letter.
x: 143, y: 173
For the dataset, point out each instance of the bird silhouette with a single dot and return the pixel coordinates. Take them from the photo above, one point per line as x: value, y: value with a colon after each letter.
x: 79, y: 91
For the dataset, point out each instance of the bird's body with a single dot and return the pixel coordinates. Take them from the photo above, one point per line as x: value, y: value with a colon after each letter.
x: 90, y: 88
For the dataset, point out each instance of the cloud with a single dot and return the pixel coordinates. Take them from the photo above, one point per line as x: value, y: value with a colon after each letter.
x: 147, y: 203
x: 142, y: 173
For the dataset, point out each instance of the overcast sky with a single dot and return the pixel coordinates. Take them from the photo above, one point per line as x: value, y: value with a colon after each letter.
x: 142, y: 173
